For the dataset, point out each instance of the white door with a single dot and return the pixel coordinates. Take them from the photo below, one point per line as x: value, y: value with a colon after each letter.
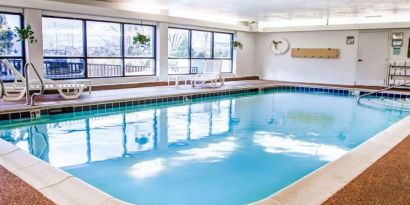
x: 372, y: 58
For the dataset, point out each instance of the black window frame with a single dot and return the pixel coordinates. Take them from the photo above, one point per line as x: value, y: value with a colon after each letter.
x: 23, y: 50
x: 122, y: 57
x: 190, y: 58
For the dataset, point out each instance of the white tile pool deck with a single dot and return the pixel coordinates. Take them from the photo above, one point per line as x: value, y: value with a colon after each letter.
x: 315, y: 188
x: 54, y: 100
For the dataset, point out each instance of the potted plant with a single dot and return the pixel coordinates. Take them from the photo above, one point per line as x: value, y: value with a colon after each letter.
x: 237, y: 44
x: 141, y: 39
x: 25, y: 33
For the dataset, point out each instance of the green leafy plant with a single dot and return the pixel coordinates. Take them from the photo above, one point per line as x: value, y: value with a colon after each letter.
x: 25, y: 33
x: 237, y: 44
x: 141, y: 39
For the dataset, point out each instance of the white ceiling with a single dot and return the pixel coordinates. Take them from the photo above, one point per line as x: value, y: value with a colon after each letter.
x: 270, y: 13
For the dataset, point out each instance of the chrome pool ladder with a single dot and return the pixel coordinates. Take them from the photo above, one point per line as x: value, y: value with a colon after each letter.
x: 381, y: 90
x: 32, y: 101
x: 2, y: 91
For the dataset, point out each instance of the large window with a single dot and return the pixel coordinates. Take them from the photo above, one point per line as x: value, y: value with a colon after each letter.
x: 75, y: 48
x: 63, y: 48
x: 139, y: 59
x: 10, y: 48
x: 188, y: 50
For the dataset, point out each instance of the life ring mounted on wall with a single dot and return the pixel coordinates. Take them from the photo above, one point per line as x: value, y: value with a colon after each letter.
x: 279, y: 46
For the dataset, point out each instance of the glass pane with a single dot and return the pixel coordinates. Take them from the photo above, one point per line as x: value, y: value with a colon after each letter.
x: 5, y: 73
x: 222, y: 45
x: 226, y: 66
x: 64, y: 68
x: 132, y: 50
x: 201, y: 44
x: 178, y: 43
x: 197, y: 65
x: 62, y: 37
x: 104, y: 68
x: 178, y: 66
x: 9, y: 45
x: 103, y: 39
x: 139, y: 67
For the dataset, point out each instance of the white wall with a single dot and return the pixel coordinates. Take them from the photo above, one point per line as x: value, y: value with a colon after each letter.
x: 314, y: 70
x: 245, y: 58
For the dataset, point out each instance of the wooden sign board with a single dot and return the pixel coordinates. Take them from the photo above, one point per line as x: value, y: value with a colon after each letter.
x: 315, y: 53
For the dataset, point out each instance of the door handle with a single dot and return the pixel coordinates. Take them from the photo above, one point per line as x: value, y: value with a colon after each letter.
x: 360, y: 60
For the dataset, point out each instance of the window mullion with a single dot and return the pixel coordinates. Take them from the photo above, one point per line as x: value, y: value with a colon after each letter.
x: 123, y: 49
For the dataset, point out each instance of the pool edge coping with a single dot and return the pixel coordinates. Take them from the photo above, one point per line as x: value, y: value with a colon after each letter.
x: 73, y: 190
x: 319, y: 185
x: 52, y: 182
x: 72, y: 105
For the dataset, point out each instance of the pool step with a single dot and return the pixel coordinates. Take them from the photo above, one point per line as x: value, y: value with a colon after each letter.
x: 387, y: 103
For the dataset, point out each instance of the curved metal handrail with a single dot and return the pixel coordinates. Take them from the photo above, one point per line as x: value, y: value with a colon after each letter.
x: 32, y: 102
x: 381, y: 90
x: 2, y: 91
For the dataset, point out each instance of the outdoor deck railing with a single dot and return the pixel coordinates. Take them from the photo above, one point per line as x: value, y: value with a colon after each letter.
x: 182, y: 70
x: 55, y: 70
x: 72, y: 70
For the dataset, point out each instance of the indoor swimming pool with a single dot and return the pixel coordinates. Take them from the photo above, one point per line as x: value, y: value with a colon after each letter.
x: 222, y: 150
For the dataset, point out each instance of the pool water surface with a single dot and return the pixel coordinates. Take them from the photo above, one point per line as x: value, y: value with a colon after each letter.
x: 227, y: 150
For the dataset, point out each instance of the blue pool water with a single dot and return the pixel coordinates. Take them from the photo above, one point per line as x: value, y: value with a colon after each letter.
x: 232, y: 150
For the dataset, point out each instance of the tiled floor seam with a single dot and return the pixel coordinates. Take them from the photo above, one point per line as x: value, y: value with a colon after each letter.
x: 7, y: 153
x: 31, y: 165
x: 56, y: 183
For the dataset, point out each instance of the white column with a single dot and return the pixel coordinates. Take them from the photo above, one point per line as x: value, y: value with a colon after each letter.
x: 162, y: 51
x: 35, y: 50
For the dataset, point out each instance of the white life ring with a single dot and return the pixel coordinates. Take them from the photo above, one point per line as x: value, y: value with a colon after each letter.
x: 279, y: 46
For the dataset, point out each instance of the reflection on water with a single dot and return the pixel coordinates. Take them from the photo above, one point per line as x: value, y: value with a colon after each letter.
x: 232, y: 150
x: 82, y: 141
x: 278, y: 143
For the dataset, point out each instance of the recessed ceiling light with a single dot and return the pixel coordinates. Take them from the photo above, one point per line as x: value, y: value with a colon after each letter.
x: 374, y: 16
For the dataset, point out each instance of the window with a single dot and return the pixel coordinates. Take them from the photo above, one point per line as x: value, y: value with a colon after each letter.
x: 104, y: 50
x: 201, y: 44
x: 63, y: 48
x: 178, y: 43
x: 139, y: 59
x: 76, y: 48
x: 10, y: 48
x: 188, y: 50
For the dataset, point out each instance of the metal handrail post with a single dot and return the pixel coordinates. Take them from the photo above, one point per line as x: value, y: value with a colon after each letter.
x: 30, y: 98
x: 384, y: 89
